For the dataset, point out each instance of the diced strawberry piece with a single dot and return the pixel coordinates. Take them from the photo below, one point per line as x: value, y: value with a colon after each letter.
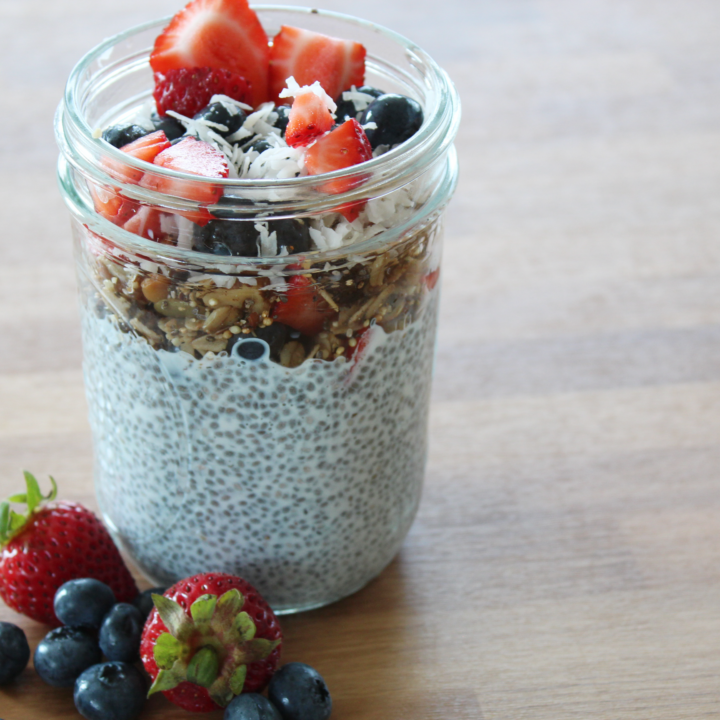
x: 305, y: 309
x: 431, y: 279
x: 112, y: 206
x: 146, y: 148
x: 309, y: 118
x: 224, y: 34
x: 146, y: 223
x: 188, y: 90
x: 345, y: 146
x: 189, y: 156
x: 309, y: 56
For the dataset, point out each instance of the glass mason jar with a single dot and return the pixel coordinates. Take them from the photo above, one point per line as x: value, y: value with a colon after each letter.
x: 264, y: 416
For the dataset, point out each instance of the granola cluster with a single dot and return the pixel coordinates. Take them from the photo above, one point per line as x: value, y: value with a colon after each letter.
x: 319, y: 311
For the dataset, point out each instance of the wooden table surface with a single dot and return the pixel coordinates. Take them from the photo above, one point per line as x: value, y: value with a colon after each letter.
x: 565, y: 562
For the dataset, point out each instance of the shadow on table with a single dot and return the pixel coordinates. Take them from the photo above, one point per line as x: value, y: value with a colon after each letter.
x: 378, y: 654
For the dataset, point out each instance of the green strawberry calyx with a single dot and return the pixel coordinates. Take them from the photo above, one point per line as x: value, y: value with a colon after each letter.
x: 212, y: 647
x: 12, y: 523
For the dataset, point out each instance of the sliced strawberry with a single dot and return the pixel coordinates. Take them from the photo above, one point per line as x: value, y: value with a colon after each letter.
x: 309, y: 118
x: 431, y: 279
x: 112, y: 206
x: 145, y: 223
x: 224, y: 34
x: 305, y: 309
x: 345, y: 146
x: 146, y: 148
x: 188, y: 90
x: 189, y: 156
x: 309, y: 56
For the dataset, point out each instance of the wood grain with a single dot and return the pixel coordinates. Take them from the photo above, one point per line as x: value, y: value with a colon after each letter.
x: 564, y: 563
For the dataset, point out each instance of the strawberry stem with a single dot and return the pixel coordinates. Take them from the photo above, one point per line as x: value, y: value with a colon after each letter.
x: 11, y: 522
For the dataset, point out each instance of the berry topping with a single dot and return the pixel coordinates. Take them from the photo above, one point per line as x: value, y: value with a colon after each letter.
x: 143, y: 602
x: 251, y: 706
x: 220, y: 114
x: 64, y: 653
x: 119, y: 135
x: 344, y: 147
x: 172, y: 128
x: 188, y: 90
x: 228, y: 237
x: 223, y: 34
x: 14, y: 652
x: 209, y: 638
x: 275, y: 335
x: 110, y: 691
x: 397, y: 118
x: 145, y: 223
x: 293, y: 235
x: 303, y: 309
x: 83, y: 602
x: 190, y: 156
x: 309, y: 119
x: 352, y: 102
x: 50, y: 545
x: 146, y: 148
x: 283, y: 117
x: 309, y: 56
x: 300, y: 693
x: 250, y: 349
x: 120, y: 633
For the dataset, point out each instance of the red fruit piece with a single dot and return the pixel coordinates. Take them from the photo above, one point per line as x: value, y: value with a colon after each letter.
x: 145, y: 223
x: 309, y: 118
x: 309, y: 56
x: 209, y: 638
x: 188, y: 90
x: 224, y: 34
x: 345, y: 146
x: 305, y: 309
x: 189, y: 156
x: 49, y: 545
x: 146, y: 148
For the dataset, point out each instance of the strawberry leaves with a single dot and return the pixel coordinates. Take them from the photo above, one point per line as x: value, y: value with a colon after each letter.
x: 210, y: 647
x: 11, y: 522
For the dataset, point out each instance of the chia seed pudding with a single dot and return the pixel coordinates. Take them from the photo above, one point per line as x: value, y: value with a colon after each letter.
x: 304, y: 480
x: 258, y: 344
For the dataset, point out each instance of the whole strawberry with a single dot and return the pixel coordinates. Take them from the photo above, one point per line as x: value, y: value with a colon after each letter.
x: 209, y: 638
x: 50, y: 544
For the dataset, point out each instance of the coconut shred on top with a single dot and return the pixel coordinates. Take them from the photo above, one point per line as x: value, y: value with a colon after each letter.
x: 282, y: 162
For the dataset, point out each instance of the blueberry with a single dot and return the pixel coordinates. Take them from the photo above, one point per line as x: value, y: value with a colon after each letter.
x: 283, y: 113
x: 144, y: 602
x: 275, y: 336
x: 83, y: 603
x: 251, y: 706
x: 120, y: 135
x: 14, y: 652
x: 293, y: 234
x: 172, y: 128
x: 299, y: 693
x: 228, y: 237
x: 120, y: 633
x: 259, y: 146
x: 110, y: 691
x: 249, y: 349
x: 397, y: 118
x: 64, y: 653
x: 218, y: 113
x: 347, y: 110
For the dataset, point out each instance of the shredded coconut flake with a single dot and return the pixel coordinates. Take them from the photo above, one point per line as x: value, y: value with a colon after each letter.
x: 293, y: 89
